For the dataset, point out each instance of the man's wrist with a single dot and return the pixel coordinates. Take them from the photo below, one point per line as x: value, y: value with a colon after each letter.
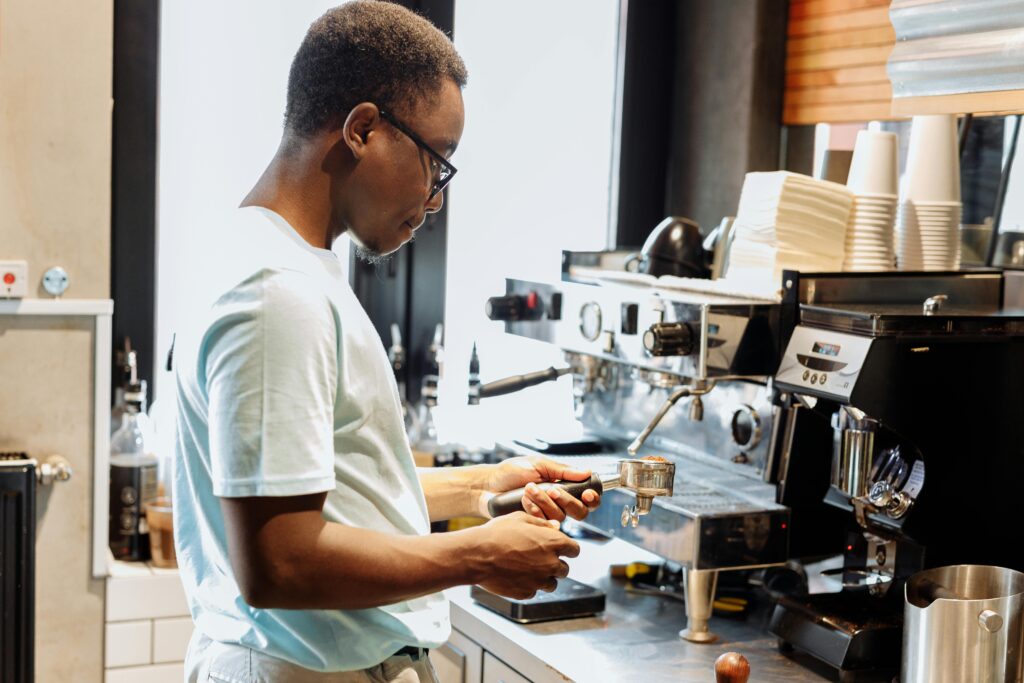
x: 470, y: 545
x: 478, y: 486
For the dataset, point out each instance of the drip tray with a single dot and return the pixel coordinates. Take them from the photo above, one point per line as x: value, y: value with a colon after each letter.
x: 571, y: 599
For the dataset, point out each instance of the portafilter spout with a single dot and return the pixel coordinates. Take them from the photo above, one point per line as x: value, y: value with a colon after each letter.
x: 647, y: 478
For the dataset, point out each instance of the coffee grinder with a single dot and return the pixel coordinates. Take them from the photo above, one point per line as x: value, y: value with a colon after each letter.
x: 926, y: 404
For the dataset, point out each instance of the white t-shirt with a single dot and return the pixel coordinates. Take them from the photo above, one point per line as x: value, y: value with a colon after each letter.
x: 284, y: 389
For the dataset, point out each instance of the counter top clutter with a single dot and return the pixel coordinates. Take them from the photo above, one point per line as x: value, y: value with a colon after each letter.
x: 636, y: 638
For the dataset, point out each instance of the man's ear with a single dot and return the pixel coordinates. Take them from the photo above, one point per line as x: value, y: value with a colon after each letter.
x: 360, y: 124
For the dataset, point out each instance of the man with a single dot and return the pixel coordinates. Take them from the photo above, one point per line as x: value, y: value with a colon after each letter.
x: 302, y: 522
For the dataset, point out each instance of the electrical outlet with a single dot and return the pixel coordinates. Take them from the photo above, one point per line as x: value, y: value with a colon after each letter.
x: 13, y: 279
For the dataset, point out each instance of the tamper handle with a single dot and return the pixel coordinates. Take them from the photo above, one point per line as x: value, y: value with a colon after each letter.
x: 732, y: 667
x: 512, y: 501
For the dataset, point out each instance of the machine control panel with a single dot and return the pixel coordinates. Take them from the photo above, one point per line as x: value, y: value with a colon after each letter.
x: 823, y: 362
x: 611, y: 321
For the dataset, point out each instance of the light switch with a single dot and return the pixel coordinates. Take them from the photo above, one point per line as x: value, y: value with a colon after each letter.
x: 13, y: 279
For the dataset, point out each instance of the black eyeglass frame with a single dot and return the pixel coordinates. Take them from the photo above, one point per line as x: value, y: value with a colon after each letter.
x: 442, y: 181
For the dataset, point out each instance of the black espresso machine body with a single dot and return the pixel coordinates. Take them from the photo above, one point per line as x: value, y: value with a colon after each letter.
x: 946, y: 388
x: 927, y: 455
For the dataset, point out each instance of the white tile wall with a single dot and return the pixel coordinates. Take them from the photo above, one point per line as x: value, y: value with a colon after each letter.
x: 150, y: 596
x: 148, y: 625
x: 170, y: 639
x: 128, y: 643
x: 160, y: 673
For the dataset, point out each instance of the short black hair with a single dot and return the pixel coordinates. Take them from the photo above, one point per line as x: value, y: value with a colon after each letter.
x: 366, y: 51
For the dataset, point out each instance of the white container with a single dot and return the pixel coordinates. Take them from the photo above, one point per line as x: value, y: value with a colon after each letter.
x: 933, y: 161
x: 874, y: 168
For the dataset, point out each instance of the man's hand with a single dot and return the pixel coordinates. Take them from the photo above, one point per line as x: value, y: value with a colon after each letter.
x: 528, y: 471
x: 525, y: 554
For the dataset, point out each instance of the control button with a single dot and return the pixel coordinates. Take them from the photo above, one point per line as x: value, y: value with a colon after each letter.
x: 814, y: 378
x: 9, y: 278
x: 629, y: 314
x: 807, y: 373
x: 555, y: 306
x: 823, y: 378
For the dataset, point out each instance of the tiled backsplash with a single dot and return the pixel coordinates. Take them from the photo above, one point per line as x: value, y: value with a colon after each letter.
x: 148, y: 625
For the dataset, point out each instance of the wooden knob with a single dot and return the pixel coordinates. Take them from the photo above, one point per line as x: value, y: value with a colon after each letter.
x: 732, y: 667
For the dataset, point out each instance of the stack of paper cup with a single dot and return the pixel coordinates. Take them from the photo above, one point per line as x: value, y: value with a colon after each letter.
x: 873, y: 180
x: 928, y: 220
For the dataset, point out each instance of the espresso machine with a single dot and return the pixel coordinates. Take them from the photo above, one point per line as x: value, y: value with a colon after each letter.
x: 681, y: 376
x: 919, y: 378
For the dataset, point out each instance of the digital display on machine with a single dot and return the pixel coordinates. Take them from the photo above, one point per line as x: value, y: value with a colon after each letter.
x: 825, y: 349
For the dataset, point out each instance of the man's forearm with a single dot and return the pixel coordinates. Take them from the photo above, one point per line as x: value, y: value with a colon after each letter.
x: 454, y: 491
x: 343, y: 567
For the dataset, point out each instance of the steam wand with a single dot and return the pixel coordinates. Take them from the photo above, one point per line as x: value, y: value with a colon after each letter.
x: 698, y: 389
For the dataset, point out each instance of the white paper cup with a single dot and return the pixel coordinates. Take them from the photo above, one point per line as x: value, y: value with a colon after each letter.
x: 873, y: 169
x: 933, y: 160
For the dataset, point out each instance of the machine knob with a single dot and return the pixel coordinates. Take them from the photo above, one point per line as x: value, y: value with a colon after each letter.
x: 732, y: 667
x: 670, y: 339
x: 513, y: 307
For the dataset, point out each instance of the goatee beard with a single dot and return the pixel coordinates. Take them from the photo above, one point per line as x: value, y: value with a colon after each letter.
x: 369, y: 256
x: 372, y: 256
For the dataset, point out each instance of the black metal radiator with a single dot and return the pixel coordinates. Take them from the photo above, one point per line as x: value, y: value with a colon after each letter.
x: 17, y: 567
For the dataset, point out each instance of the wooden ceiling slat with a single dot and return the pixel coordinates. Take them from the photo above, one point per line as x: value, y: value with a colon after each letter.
x: 801, y: 9
x: 839, y: 94
x: 834, y: 59
x: 837, y: 113
x: 872, y: 17
x: 864, y: 37
x: 845, y: 76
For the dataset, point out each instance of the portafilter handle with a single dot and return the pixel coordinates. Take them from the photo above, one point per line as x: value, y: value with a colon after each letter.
x: 732, y: 667
x: 646, y: 478
x: 512, y: 501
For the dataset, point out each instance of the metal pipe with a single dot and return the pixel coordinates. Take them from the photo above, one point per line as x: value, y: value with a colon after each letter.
x: 702, y: 353
x: 681, y: 392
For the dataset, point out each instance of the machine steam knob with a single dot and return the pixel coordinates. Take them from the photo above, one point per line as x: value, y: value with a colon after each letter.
x: 670, y: 339
x: 511, y: 307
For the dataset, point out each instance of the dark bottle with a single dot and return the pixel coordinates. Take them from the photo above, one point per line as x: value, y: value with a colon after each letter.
x: 133, y: 481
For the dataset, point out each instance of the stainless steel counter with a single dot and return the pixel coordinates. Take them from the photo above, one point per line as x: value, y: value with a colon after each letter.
x: 636, y: 639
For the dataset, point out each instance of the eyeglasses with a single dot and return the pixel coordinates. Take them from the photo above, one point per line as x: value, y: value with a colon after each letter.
x: 443, y: 170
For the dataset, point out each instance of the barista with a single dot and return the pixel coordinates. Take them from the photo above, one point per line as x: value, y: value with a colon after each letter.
x: 302, y: 522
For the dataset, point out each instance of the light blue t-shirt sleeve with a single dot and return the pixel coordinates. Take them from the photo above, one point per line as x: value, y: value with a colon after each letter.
x: 269, y: 362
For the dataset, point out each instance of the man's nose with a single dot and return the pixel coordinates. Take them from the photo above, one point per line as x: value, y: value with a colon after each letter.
x: 435, y: 203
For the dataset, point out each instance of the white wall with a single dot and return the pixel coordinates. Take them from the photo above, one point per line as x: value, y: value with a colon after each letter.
x: 534, y: 170
x: 223, y: 78
x: 56, y: 68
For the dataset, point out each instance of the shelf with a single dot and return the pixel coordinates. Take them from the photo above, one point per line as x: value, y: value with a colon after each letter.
x: 58, y: 307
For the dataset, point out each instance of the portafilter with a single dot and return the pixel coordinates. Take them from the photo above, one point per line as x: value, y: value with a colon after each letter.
x: 647, y: 478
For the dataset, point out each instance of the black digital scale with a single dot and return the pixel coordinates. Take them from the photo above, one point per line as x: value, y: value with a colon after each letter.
x: 569, y: 600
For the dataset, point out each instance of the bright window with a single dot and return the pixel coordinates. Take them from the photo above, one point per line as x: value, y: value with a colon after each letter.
x: 534, y: 177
